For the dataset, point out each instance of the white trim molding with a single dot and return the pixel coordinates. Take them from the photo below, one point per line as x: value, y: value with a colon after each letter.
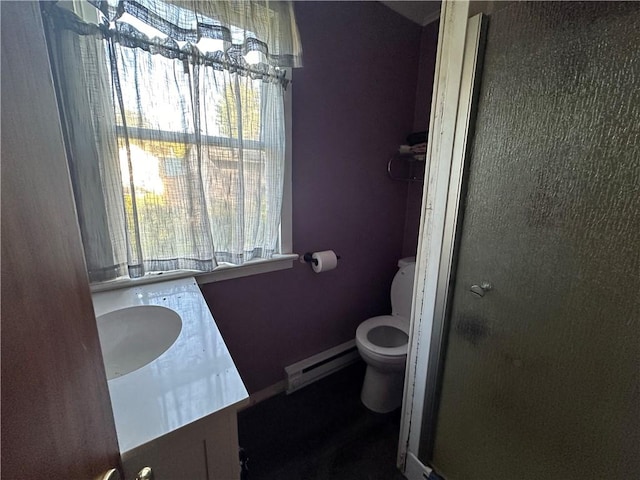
x: 456, y: 62
x: 223, y: 271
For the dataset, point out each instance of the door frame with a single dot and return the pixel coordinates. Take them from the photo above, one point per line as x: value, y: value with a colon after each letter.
x: 457, y: 64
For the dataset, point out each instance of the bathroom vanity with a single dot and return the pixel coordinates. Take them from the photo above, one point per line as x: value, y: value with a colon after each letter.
x: 176, y: 413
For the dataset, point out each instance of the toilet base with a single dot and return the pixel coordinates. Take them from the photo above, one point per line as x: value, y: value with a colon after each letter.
x: 382, y: 391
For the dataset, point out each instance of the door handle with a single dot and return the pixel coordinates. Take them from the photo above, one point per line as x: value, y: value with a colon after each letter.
x: 480, y: 290
x: 112, y: 474
x: 145, y: 474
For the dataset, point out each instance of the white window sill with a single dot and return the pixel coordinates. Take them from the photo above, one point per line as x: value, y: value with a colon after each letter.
x: 222, y: 272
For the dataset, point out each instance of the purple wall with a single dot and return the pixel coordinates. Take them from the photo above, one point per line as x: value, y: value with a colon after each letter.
x: 426, y: 71
x: 353, y: 104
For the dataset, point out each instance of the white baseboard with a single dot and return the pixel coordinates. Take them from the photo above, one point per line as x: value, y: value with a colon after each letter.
x: 308, y: 371
x: 266, y: 393
x: 318, y: 366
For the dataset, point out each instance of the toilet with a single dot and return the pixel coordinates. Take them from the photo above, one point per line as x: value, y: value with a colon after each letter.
x: 382, y: 342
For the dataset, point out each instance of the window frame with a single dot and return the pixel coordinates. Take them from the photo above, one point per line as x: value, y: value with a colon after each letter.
x: 226, y: 271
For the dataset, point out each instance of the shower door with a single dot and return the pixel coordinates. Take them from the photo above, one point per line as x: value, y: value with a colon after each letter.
x: 542, y: 356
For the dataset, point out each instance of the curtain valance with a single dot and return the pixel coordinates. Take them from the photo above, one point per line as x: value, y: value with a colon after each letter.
x: 253, y: 38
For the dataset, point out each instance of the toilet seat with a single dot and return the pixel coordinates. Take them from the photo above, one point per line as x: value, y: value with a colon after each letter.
x: 362, y: 335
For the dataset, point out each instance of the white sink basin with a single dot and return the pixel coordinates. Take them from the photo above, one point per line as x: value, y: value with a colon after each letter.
x: 132, y: 337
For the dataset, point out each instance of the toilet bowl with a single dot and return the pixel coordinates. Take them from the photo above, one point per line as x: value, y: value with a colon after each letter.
x: 382, y: 342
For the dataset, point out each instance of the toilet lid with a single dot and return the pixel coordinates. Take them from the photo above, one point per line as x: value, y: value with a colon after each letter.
x: 402, y: 291
x: 362, y: 334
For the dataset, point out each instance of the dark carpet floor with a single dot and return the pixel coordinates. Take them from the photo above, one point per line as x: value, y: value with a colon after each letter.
x: 320, y: 432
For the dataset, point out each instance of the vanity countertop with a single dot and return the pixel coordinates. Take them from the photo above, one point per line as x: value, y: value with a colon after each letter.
x: 194, y: 378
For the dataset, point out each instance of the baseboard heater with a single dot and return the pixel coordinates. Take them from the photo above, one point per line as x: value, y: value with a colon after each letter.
x: 307, y: 371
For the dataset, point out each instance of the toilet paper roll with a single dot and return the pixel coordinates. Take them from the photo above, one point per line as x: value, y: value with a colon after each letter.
x: 326, y: 260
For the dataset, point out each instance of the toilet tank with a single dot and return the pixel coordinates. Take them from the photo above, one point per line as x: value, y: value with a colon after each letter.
x: 403, y: 262
x: 402, y: 290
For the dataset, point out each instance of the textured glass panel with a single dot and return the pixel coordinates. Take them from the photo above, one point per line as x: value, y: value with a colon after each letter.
x: 541, y: 374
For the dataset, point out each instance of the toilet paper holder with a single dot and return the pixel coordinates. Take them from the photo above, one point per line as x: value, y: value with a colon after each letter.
x: 308, y: 258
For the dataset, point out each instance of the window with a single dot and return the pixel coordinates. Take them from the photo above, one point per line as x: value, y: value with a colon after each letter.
x: 177, y: 148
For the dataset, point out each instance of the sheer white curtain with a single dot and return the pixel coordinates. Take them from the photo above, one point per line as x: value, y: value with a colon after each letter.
x: 175, y: 134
